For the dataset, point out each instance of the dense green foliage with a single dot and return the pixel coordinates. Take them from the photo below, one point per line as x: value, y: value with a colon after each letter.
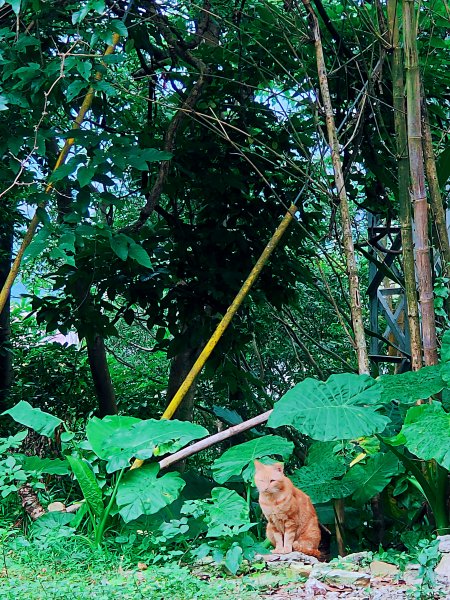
x: 206, y: 123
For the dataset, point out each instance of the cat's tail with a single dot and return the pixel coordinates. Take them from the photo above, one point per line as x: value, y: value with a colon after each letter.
x: 299, y: 547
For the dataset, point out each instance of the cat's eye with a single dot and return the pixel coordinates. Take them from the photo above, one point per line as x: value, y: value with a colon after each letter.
x: 272, y: 481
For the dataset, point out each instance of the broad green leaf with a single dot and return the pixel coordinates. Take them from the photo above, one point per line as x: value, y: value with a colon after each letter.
x: 53, y: 523
x: 74, y: 89
x: 15, y: 5
x: 233, y: 558
x: 228, y: 514
x: 427, y: 433
x: 84, y: 176
x: 34, y: 418
x: 236, y: 459
x: 88, y: 484
x: 140, y: 255
x: 318, y: 477
x: 120, y: 243
x: 38, y: 245
x: 119, y: 439
x: 413, y: 385
x: 119, y: 27
x: 445, y: 357
x: 141, y: 492
x: 370, y: 479
x: 343, y: 407
x: 443, y: 167
x: 45, y: 465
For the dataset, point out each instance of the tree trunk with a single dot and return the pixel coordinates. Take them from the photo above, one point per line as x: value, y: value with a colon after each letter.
x: 423, y: 261
x: 6, y: 243
x: 179, y: 368
x: 101, y: 377
x: 403, y: 187
x: 352, y: 268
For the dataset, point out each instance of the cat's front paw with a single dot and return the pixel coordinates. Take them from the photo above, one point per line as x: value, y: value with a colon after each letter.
x: 278, y: 550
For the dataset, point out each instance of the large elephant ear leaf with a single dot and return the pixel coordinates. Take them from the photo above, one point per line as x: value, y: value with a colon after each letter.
x: 141, y: 492
x: 343, y: 407
x: 239, y: 458
x: 119, y: 439
x: 370, y: 479
x: 427, y: 433
x: 412, y: 385
x: 318, y: 478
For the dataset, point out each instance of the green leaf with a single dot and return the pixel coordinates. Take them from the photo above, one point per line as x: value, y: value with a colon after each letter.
x: 12, y: 441
x: 413, y: 385
x: 88, y: 484
x: 236, y: 459
x: 233, y: 558
x: 141, y: 492
x: 118, y: 27
x: 228, y: 514
x: 45, y: 465
x: 53, y: 523
x: 343, y: 407
x: 38, y: 245
x: 140, y: 255
x: 371, y: 478
x: 74, y: 89
x: 15, y: 5
x: 119, y: 244
x: 318, y: 478
x: 119, y: 439
x: 34, y: 418
x: 85, y: 175
x: 445, y: 357
x: 427, y: 433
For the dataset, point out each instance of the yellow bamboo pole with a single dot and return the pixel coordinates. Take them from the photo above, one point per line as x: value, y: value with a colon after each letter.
x: 85, y: 106
x: 226, y: 320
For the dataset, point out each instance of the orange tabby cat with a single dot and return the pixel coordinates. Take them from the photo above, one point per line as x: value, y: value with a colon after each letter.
x: 292, y: 519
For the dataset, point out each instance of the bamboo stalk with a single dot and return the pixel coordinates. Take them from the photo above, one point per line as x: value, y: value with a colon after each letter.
x: 422, y: 249
x: 436, y: 203
x: 352, y: 268
x: 403, y: 188
x: 85, y: 106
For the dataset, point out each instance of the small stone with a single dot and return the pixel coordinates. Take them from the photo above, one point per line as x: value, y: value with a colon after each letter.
x: 357, y: 557
x: 56, y: 507
x: 444, y: 543
x: 378, y: 568
x: 73, y: 508
x: 443, y: 569
x: 340, y: 576
x: 314, y: 587
x: 300, y: 569
x: 142, y: 566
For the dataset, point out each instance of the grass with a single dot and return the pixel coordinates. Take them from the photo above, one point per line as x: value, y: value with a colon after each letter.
x: 68, y: 569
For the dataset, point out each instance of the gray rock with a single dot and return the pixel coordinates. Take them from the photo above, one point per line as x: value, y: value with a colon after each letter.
x: 378, y: 568
x: 444, y: 543
x: 357, y: 557
x: 443, y: 569
x: 292, y: 556
x: 389, y: 592
x: 340, y: 576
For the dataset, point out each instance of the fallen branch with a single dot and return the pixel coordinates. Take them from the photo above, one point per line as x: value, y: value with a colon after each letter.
x: 213, y: 439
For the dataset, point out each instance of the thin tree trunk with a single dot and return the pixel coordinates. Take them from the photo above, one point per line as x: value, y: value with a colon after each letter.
x: 437, y: 206
x: 101, y: 377
x: 179, y: 367
x: 423, y: 261
x: 403, y: 186
x: 6, y: 243
x: 352, y: 268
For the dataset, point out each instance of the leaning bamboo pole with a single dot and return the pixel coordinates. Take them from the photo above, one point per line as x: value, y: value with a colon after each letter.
x: 85, y: 106
x: 403, y: 188
x: 422, y: 248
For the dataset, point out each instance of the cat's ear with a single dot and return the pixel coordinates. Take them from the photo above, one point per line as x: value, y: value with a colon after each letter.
x: 278, y: 467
